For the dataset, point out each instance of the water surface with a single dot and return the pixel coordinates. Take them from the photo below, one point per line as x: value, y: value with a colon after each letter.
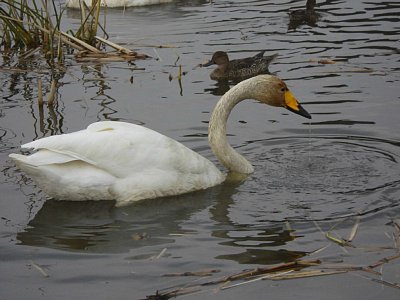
x: 341, y: 166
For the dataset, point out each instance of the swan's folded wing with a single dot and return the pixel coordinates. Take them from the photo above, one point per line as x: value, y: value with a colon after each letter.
x: 106, y: 145
x: 123, y: 149
x: 42, y: 158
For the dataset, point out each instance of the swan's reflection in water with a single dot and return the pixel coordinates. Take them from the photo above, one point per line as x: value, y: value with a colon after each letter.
x: 99, y: 227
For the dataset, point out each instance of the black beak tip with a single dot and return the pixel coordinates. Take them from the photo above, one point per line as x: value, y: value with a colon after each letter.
x: 306, y: 114
x: 301, y: 111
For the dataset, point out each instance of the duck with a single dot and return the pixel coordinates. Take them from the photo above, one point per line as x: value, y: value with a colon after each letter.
x: 113, y: 160
x: 306, y: 16
x: 115, y: 3
x: 238, y: 69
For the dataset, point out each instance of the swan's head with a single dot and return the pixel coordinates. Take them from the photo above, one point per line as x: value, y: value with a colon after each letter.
x: 273, y: 91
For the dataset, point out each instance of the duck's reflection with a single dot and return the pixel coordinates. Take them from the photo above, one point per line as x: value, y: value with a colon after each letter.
x: 219, y: 88
x: 99, y: 227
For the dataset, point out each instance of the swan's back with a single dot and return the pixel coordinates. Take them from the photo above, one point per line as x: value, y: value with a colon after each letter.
x: 116, y: 160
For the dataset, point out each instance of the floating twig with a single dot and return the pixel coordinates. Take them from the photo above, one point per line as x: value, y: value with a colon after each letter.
x: 353, y: 231
x: 248, y: 275
x: 40, y: 269
x: 115, y: 46
x: 387, y: 283
x: 338, y: 241
x: 295, y: 265
x: 381, y: 281
x: 172, y: 294
x: 320, y: 249
x: 384, y: 261
x: 200, y: 273
x: 105, y: 57
x: 305, y: 274
x: 81, y: 43
x: 269, y: 276
x: 160, y: 254
x: 177, y: 59
x: 158, y: 56
x: 396, y: 234
x: 349, y: 268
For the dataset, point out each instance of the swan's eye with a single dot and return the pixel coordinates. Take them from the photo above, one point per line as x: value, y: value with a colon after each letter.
x: 283, y: 90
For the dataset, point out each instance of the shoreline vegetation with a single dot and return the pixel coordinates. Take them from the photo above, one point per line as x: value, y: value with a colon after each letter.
x: 31, y: 26
x: 32, y: 29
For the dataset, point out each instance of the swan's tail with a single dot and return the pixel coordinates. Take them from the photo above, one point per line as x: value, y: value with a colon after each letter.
x: 25, y: 164
x: 20, y: 159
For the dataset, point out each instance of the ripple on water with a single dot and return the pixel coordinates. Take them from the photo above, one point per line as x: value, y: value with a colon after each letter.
x: 320, y: 177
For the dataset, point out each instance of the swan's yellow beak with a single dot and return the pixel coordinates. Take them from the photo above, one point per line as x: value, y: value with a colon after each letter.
x: 293, y: 105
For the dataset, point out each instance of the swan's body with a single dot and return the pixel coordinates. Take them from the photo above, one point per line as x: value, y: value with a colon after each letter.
x: 127, y: 162
x: 115, y: 3
x: 116, y: 160
x: 239, y: 69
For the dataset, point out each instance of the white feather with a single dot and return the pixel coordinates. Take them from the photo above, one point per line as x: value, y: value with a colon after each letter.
x: 116, y: 160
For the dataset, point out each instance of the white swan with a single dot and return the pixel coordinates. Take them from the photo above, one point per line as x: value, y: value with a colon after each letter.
x: 115, y: 3
x: 127, y: 162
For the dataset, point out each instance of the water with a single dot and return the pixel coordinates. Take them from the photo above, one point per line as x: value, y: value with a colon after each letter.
x: 341, y: 167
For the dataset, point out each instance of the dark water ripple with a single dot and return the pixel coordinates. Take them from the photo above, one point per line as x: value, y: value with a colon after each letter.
x: 361, y: 176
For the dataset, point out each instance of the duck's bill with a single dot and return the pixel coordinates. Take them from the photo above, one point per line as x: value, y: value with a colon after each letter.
x: 207, y: 64
x: 294, y: 106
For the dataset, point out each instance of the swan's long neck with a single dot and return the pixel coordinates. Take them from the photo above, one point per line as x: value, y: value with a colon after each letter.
x: 231, y: 159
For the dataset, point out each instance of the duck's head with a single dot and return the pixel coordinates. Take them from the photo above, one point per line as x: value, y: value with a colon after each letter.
x: 310, y: 4
x: 218, y: 58
x: 273, y: 91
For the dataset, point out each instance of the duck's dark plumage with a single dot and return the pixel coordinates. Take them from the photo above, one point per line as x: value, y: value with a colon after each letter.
x: 304, y: 16
x: 239, y: 69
